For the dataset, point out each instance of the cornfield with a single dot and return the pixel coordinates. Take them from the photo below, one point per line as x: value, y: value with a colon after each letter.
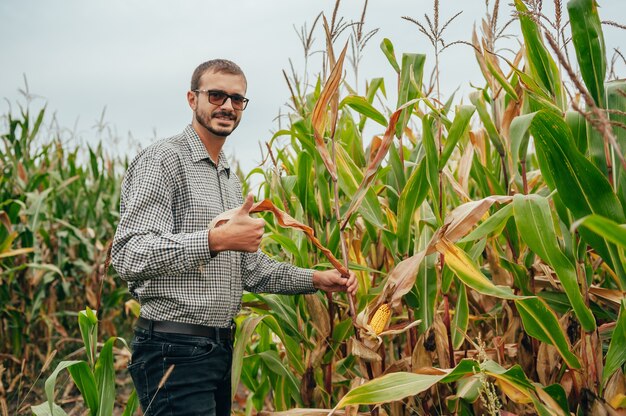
x: 489, y: 240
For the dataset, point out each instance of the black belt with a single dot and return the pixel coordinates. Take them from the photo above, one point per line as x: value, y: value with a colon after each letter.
x: 218, y: 334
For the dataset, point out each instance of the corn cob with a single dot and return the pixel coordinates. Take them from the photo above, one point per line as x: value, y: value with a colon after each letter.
x: 381, y: 318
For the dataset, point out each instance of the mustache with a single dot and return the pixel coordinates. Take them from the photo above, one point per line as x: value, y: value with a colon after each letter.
x: 223, y: 113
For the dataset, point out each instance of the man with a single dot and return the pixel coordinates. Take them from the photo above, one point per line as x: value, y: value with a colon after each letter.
x: 188, y: 278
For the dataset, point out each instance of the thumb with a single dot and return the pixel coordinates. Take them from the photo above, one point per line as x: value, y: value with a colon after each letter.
x: 247, y: 204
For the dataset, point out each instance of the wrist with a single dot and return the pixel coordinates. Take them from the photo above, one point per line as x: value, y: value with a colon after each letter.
x: 316, y: 279
x: 215, y: 242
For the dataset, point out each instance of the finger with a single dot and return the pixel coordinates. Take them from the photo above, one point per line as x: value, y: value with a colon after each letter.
x: 341, y: 283
x: 352, y: 287
x: 247, y: 204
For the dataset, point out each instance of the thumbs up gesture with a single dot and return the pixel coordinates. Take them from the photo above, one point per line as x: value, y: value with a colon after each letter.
x: 240, y: 233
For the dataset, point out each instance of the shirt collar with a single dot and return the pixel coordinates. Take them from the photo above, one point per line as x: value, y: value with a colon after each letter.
x: 199, y: 152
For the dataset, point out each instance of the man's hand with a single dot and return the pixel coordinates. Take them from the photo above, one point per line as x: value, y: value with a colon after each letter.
x: 333, y: 281
x: 240, y: 233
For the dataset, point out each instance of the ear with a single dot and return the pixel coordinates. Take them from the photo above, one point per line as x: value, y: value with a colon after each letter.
x: 192, y: 99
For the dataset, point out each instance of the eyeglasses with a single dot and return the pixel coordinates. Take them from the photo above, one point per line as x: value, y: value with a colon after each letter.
x: 217, y: 97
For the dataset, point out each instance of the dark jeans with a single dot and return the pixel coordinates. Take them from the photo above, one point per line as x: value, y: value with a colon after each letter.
x: 199, y: 384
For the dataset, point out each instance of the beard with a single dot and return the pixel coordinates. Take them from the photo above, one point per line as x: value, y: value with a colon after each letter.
x: 204, y: 119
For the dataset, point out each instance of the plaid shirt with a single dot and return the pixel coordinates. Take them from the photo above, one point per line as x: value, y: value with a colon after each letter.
x: 170, y: 194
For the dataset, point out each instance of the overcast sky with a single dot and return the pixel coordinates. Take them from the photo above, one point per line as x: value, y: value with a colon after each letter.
x: 136, y: 57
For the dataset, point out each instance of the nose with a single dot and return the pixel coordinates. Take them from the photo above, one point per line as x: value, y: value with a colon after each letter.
x: 228, y: 104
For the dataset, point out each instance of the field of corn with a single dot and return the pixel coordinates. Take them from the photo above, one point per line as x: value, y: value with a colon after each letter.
x: 489, y: 238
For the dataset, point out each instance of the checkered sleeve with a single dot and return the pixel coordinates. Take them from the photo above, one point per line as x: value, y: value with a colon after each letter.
x: 145, y: 245
x: 261, y: 274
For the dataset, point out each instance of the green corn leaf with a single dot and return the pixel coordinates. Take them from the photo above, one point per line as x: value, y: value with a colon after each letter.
x: 519, y: 134
x: 342, y: 330
x: 244, y: 332
x: 411, y: 198
x: 514, y: 380
x: 93, y: 158
x: 520, y: 275
x: 461, y: 318
x: 588, y: 41
x: 514, y: 375
x: 577, y: 124
x: 304, y: 190
x: 432, y: 159
x: 43, y: 409
x: 542, y: 67
x: 534, y: 222
x: 494, y: 136
x: 397, y: 386
x: 581, y: 186
x: 88, y: 324
x: 52, y: 379
x: 541, y: 322
x: 360, y: 105
x: 469, y: 273
x: 273, y: 362
x: 373, y: 86
x: 292, y: 344
x: 492, y: 225
x: 86, y: 382
x: 616, y: 355
x: 350, y: 177
x: 132, y: 404
x: 426, y: 282
x: 105, y: 378
x: 616, y: 100
x: 558, y: 394
x: 283, y: 310
x: 286, y: 243
x: 387, y: 47
x: 459, y: 128
x: 412, y: 69
x: 610, y: 230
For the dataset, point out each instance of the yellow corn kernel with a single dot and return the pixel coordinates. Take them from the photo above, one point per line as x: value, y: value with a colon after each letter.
x: 381, y: 318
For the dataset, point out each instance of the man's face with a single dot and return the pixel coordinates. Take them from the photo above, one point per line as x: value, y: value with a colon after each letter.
x: 220, y: 120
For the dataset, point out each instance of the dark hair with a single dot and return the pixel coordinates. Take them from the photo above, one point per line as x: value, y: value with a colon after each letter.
x: 215, y: 65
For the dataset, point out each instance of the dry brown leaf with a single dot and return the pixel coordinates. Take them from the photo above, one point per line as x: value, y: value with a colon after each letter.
x: 318, y: 316
x: 358, y: 349
x: 465, y: 167
x: 613, y: 297
x: 512, y: 110
x: 403, y: 364
x: 420, y: 358
x: 456, y: 186
x: 372, y: 168
x: 284, y: 220
x: 402, y: 279
x: 374, y: 146
x: 512, y: 392
x: 441, y: 340
x: 615, y: 389
x: 499, y: 275
x: 548, y: 364
x: 461, y: 220
x: 320, y: 113
x: 400, y: 328
x: 307, y: 412
x: 6, y: 221
x: 480, y: 58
